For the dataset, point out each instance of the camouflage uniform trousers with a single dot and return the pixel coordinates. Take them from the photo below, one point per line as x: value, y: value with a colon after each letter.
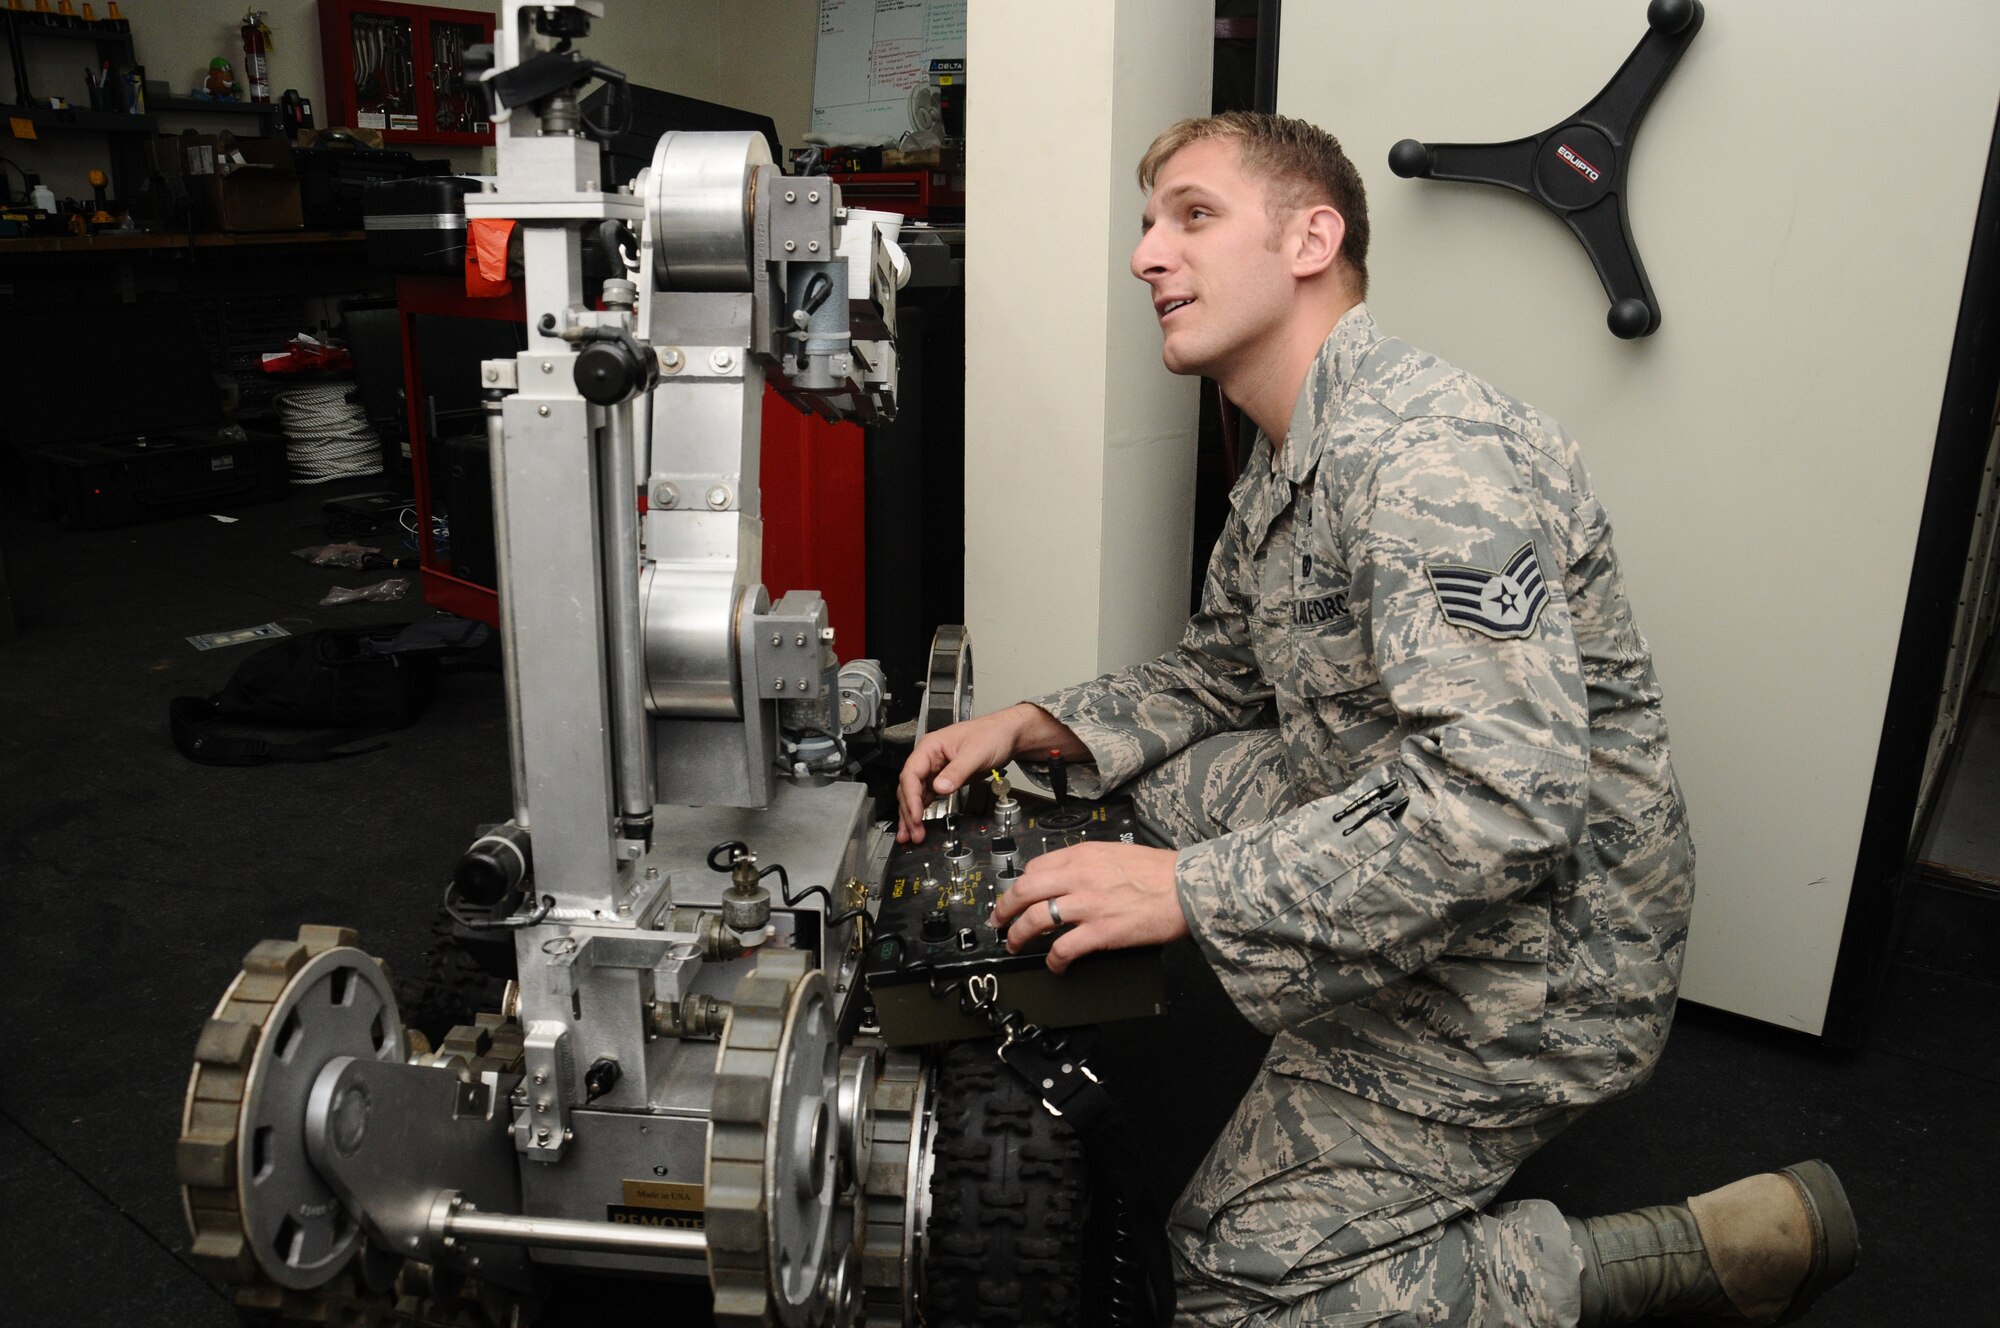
x: 1315, y: 1206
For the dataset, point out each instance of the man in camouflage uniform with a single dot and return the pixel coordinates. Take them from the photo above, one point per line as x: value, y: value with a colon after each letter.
x: 1411, y: 756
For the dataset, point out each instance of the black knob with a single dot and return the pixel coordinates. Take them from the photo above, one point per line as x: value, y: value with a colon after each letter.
x: 608, y: 371
x: 1058, y: 777
x: 600, y: 1078
x: 1410, y: 159
x: 1630, y: 318
x: 937, y: 927
x: 1002, y: 846
x: 1669, y: 16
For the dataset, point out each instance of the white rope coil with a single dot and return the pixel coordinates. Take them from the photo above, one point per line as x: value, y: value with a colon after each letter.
x: 327, y: 437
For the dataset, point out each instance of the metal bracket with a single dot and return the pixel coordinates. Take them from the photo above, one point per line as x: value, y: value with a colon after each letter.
x: 388, y: 1136
x: 794, y: 217
x: 541, y: 1100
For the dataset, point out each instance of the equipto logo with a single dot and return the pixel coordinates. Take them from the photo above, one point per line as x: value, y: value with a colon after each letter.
x: 1582, y: 167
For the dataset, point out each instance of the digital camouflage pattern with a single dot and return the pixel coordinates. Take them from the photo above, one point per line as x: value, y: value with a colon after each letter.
x: 1468, y: 898
x: 1316, y: 1207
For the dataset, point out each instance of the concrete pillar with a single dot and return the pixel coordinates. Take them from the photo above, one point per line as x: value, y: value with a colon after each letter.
x: 1079, y: 445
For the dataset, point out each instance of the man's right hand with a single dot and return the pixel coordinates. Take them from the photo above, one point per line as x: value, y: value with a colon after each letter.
x: 943, y: 761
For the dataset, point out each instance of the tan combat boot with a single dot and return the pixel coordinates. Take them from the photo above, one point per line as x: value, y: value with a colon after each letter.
x: 1759, y: 1250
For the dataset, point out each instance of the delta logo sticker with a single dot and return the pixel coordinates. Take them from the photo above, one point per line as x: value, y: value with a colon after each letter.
x: 1504, y: 605
x: 1578, y: 164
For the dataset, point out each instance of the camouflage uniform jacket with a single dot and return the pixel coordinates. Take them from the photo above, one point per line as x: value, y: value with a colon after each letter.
x: 1475, y: 909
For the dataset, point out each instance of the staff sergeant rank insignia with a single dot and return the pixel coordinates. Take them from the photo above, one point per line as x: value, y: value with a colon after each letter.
x: 1504, y: 605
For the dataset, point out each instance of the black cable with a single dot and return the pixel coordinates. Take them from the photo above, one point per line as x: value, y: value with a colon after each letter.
x: 833, y: 919
x: 494, y: 924
x: 725, y: 846
x: 737, y: 847
x: 619, y: 100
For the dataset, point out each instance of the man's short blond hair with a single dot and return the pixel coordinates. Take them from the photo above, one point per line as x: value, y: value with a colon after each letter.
x: 1302, y: 163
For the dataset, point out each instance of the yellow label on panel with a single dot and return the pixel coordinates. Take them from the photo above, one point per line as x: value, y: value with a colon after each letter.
x: 21, y: 125
x: 662, y: 1194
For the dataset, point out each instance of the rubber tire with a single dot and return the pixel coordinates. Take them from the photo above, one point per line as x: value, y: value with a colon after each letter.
x: 1007, y: 1241
x: 463, y: 977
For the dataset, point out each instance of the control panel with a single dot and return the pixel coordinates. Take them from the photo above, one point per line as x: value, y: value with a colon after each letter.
x: 931, y: 934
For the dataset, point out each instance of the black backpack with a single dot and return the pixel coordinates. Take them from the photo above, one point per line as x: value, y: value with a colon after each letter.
x: 374, y: 679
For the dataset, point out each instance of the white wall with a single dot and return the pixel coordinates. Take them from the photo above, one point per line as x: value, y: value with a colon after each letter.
x: 753, y: 54
x: 1079, y: 446
x: 1803, y: 193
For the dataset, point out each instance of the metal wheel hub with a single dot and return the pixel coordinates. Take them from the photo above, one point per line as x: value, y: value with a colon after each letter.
x: 774, y: 1142
x: 896, y: 1190
x: 254, y: 1202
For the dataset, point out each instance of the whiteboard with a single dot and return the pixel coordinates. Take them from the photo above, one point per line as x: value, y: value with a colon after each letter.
x: 871, y: 53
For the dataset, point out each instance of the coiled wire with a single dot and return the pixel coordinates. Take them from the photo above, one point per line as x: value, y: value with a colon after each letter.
x: 327, y: 436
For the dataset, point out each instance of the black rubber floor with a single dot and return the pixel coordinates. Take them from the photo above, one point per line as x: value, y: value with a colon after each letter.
x: 134, y: 883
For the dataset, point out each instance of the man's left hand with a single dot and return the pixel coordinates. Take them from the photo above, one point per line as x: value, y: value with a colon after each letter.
x: 1109, y: 896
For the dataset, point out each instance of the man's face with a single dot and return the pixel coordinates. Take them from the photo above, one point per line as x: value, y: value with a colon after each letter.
x: 1221, y: 288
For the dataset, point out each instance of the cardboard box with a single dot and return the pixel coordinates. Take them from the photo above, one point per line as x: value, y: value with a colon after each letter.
x: 241, y: 184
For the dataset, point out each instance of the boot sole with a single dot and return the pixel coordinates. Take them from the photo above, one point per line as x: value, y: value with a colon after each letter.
x: 1837, y: 1239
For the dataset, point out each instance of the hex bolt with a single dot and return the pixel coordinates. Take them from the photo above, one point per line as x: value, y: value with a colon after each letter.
x: 722, y: 361
x: 777, y: 684
x: 542, y: 1107
x: 718, y: 497
x: 776, y: 639
x: 804, y: 685
x: 799, y: 640
x: 548, y: 366
x: 541, y: 410
x: 541, y: 1078
x: 542, y: 1135
x: 670, y: 359
x: 665, y: 494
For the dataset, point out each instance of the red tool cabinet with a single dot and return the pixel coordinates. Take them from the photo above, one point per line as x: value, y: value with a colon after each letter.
x: 395, y: 68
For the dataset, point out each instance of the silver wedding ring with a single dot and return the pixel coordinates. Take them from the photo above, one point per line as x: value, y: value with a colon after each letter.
x: 1055, y: 914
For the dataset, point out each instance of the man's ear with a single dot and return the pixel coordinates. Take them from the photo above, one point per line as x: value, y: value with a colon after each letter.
x: 1319, y: 231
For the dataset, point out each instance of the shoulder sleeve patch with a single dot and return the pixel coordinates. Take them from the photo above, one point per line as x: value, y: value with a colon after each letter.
x: 1504, y: 605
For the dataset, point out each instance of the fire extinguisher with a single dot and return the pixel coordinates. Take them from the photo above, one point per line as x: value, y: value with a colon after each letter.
x: 256, y: 42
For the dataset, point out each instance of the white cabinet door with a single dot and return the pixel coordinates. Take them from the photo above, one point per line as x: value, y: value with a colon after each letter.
x: 1802, y: 193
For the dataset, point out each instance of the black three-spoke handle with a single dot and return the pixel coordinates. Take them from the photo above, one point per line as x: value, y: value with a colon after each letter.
x: 1577, y: 169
